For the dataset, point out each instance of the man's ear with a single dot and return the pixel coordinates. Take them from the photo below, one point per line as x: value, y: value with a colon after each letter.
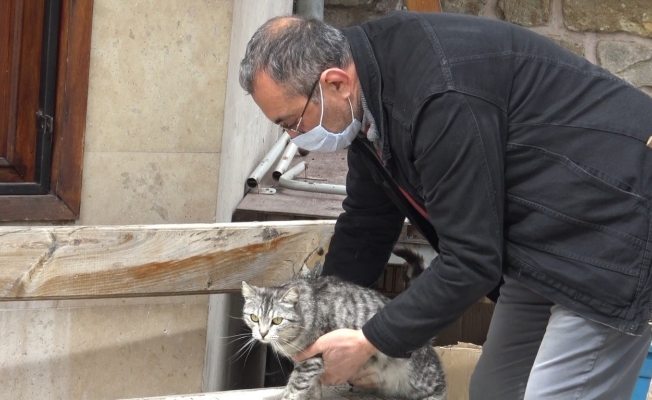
x: 339, y: 80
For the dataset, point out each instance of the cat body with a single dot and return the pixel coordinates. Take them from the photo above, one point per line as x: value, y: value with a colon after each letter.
x: 293, y: 316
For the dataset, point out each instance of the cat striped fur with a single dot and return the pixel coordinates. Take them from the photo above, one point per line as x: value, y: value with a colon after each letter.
x: 292, y: 316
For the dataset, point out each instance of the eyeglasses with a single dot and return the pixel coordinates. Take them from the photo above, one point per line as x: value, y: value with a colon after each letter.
x: 296, y: 128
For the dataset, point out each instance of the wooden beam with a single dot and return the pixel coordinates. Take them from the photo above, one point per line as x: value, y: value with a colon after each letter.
x: 72, y: 102
x: 123, y: 261
x: 328, y: 393
x: 423, y: 5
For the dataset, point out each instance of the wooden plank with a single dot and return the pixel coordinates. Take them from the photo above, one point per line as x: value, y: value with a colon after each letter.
x: 23, y: 156
x: 328, y: 168
x: 117, y: 261
x: 63, y: 204
x: 328, y: 393
x: 34, y: 208
x: 423, y: 5
x: 71, y: 104
x: 6, y: 51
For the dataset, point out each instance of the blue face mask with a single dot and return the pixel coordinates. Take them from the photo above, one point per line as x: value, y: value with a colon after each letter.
x: 319, y: 139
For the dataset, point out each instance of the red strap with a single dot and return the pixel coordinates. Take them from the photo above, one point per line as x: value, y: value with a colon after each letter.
x: 416, y: 205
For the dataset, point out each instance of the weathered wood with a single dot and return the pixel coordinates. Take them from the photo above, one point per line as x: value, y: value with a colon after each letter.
x: 322, y: 168
x: 328, y: 393
x: 63, y: 202
x: 94, y: 262
x: 72, y: 102
x: 34, y: 208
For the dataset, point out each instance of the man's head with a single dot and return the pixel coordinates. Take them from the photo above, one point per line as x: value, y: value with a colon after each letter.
x: 290, y: 59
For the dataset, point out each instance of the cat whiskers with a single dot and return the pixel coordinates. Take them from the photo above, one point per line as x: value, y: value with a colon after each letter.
x: 294, y: 346
x: 240, y: 318
x: 245, y: 349
x: 285, y: 353
x: 275, y: 345
x: 237, y: 337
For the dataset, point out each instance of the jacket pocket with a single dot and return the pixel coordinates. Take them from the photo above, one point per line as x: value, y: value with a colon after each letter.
x: 576, y: 224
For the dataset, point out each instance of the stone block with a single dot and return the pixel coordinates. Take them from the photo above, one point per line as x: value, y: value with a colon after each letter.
x: 385, y: 6
x: 343, y: 18
x: 473, y: 7
x: 347, y: 3
x: 631, y: 16
x: 525, y: 12
x: 576, y: 48
x: 379, y: 5
x: 344, y: 13
x: 630, y: 61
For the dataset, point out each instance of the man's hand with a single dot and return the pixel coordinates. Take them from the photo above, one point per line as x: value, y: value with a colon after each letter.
x: 344, y: 351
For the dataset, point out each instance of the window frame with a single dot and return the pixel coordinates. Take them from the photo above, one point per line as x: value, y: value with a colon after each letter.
x: 63, y: 201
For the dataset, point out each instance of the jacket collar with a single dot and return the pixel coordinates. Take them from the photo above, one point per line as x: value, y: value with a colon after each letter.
x: 371, y: 82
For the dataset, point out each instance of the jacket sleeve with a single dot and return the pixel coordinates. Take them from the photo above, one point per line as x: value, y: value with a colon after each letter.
x: 367, y: 231
x: 458, y: 149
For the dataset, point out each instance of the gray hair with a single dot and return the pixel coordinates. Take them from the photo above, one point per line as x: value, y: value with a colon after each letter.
x: 294, y: 51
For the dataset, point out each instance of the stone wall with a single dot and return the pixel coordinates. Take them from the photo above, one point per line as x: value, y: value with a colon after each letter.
x: 615, y: 34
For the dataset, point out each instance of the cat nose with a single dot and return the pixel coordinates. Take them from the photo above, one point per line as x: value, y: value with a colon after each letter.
x: 263, y: 333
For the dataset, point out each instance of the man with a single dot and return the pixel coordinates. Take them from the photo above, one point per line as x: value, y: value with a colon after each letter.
x: 513, y: 156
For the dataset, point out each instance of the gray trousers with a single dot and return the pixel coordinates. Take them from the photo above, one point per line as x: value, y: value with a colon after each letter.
x: 537, y: 350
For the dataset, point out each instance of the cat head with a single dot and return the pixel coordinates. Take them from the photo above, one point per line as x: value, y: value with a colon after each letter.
x: 272, y: 314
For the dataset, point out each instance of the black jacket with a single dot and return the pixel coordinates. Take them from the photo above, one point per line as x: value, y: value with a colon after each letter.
x: 529, y: 160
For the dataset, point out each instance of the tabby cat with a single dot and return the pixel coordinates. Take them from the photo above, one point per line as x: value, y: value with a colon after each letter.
x: 293, y: 316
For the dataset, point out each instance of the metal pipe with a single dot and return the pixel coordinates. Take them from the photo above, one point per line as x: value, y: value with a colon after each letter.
x: 285, y: 161
x: 311, y: 8
x: 270, y: 157
x: 286, y: 181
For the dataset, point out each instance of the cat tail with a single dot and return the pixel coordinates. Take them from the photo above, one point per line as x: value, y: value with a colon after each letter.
x: 414, y: 264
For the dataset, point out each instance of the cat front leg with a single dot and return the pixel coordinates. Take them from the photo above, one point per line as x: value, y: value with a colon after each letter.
x: 304, y: 381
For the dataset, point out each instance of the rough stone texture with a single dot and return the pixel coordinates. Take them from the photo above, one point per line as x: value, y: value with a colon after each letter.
x: 526, y: 12
x: 632, y: 16
x: 343, y: 18
x: 630, y: 61
x: 473, y: 7
x: 576, y: 48
x: 347, y: 3
x: 345, y: 13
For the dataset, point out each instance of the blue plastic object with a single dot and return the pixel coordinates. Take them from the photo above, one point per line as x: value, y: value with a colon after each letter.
x: 643, y: 382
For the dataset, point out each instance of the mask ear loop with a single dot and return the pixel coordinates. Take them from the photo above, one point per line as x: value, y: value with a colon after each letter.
x: 321, y: 95
x: 351, y: 105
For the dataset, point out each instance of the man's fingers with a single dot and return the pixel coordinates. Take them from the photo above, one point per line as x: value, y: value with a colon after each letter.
x: 327, y: 379
x: 364, y: 374
x: 308, y: 352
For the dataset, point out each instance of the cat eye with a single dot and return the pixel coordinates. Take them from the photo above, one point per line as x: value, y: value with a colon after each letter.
x: 254, y: 318
x: 277, y: 320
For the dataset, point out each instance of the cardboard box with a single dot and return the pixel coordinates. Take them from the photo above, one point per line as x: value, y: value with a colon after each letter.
x: 459, y: 362
x: 471, y: 327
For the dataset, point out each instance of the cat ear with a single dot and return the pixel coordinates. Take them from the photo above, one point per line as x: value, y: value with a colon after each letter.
x: 247, y: 291
x: 291, y: 296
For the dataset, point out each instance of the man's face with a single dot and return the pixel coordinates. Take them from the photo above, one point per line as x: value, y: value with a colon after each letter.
x: 286, y: 110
